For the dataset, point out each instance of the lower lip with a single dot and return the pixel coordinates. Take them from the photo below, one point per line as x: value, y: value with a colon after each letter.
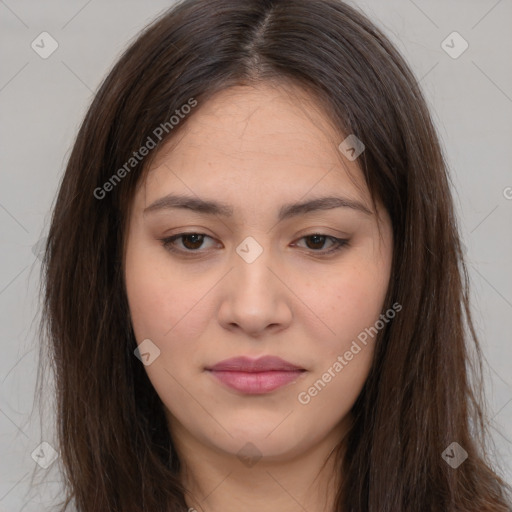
x: 258, y: 382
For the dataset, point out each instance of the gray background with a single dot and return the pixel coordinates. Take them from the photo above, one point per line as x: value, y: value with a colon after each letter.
x: 42, y: 102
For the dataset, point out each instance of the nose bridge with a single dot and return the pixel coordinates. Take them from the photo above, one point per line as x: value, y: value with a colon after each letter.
x: 252, y: 262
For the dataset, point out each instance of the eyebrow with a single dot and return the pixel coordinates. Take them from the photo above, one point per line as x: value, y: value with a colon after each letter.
x: 210, y: 207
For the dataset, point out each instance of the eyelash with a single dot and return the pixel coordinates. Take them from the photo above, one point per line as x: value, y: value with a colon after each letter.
x: 167, y: 243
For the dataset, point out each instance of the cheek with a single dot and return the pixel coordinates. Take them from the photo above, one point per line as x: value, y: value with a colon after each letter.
x: 167, y: 307
x: 351, y: 308
x: 350, y: 301
x: 150, y: 297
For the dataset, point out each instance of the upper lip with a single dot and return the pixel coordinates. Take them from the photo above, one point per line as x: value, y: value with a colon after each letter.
x: 262, y: 364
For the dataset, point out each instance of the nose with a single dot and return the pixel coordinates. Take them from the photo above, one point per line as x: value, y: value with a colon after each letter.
x: 254, y: 297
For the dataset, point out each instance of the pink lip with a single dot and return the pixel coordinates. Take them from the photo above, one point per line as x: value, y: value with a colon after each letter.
x: 255, y: 376
x: 262, y: 364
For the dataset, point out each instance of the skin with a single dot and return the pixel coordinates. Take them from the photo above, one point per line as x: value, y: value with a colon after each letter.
x: 256, y: 148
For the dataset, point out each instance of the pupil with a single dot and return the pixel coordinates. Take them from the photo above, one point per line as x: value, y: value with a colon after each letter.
x: 195, y: 243
x: 317, y: 237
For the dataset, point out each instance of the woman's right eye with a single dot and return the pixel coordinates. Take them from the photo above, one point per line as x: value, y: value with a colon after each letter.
x: 190, y: 241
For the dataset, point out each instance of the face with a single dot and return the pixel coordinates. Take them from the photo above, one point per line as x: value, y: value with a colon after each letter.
x: 256, y: 277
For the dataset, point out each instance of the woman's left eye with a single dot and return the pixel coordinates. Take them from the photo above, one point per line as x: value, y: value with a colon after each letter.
x: 319, y: 239
x: 193, y: 241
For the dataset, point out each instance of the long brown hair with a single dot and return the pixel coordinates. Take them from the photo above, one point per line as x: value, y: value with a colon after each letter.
x: 115, y: 446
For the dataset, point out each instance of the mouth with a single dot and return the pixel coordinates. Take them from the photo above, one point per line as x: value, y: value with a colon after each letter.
x: 255, y: 376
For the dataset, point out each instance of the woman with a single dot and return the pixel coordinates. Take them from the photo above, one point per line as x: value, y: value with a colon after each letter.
x: 255, y: 292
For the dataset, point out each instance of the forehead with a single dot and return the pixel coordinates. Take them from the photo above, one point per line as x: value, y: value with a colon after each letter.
x: 263, y: 139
